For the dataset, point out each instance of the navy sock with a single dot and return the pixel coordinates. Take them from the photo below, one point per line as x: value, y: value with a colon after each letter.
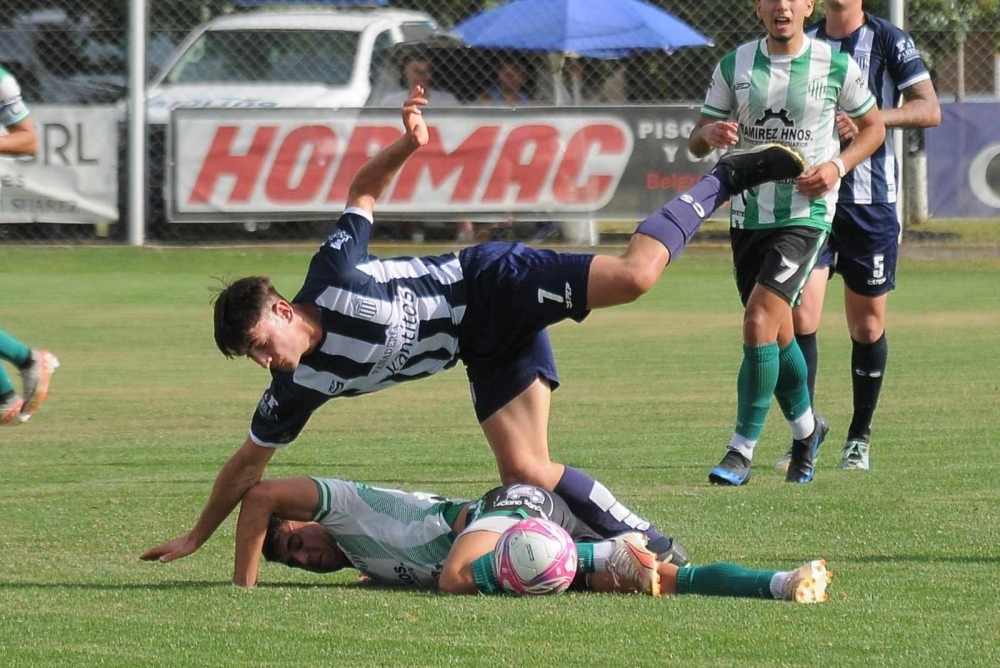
x: 868, y: 361
x: 680, y: 218
x: 807, y: 344
x: 598, y: 508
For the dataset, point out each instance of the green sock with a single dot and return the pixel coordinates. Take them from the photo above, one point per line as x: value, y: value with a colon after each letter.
x: 5, y: 385
x: 585, y: 555
x: 754, y: 387
x: 485, y: 575
x: 792, y: 389
x: 725, y: 580
x: 13, y: 350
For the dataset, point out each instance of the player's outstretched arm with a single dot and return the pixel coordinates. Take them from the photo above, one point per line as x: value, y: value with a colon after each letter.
x: 376, y: 174
x: 289, y: 499
x: 237, y: 475
x: 920, y: 108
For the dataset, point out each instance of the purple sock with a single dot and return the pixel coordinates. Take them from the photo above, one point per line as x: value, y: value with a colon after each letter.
x: 680, y: 218
x: 598, y: 508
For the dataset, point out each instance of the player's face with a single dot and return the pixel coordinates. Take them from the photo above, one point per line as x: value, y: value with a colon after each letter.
x: 784, y: 19
x: 275, y: 344
x: 311, y: 548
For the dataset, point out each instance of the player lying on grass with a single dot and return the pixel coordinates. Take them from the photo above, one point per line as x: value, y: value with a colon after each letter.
x: 423, y: 540
x: 360, y: 325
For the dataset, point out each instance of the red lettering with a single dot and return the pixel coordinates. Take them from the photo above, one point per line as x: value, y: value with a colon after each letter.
x: 365, y: 142
x: 220, y: 162
x: 321, y: 142
x: 469, y: 158
x: 679, y: 182
x: 607, y: 139
x: 530, y: 176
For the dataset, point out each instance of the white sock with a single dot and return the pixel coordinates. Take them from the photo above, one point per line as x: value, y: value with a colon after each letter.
x: 778, y: 584
x: 603, y: 552
x: 803, y: 426
x: 742, y: 445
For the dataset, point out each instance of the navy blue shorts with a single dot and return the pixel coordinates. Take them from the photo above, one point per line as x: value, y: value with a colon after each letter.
x: 864, y: 247
x: 514, y: 292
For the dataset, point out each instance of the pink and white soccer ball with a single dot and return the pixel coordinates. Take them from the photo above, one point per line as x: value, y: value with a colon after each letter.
x: 535, y: 557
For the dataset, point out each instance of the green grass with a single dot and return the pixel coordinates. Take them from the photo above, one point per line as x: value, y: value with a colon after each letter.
x: 144, y: 411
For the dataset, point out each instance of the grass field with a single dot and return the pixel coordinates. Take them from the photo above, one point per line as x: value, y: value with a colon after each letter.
x: 144, y: 411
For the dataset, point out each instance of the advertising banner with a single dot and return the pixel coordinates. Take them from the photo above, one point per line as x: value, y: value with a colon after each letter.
x: 606, y: 163
x: 963, y: 162
x: 74, y: 176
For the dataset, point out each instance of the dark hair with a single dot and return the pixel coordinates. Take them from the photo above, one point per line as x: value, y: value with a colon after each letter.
x: 238, y: 308
x: 270, y: 547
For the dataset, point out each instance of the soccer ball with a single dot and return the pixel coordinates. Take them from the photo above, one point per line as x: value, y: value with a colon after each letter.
x: 535, y: 557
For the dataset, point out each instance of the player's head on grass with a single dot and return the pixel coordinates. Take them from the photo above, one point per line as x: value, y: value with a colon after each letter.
x: 305, y: 545
x: 253, y: 320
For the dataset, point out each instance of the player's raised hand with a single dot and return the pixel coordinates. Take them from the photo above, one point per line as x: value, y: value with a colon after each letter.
x: 721, y: 134
x: 175, y: 548
x: 413, y: 116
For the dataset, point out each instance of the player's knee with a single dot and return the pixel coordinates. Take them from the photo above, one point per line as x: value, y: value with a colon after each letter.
x: 868, y: 331
x: 638, y: 279
x: 757, y: 325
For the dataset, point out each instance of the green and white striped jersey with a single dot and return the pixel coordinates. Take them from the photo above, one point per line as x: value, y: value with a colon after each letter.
x: 791, y: 100
x: 12, y: 107
x: 394, y: 537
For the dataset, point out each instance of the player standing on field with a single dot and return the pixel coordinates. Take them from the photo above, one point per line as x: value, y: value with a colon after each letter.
x: 864, y: 244
x: 35, y: 366
x: 784, y: 88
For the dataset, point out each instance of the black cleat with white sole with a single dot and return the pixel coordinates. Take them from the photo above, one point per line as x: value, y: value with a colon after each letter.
x: 750, y: 168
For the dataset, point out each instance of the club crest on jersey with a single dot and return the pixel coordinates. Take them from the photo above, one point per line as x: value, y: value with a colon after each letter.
x: 365, y: 309
x: 817, y: 89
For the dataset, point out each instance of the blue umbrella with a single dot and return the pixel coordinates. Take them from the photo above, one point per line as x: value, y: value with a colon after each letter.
x: 592, y: 28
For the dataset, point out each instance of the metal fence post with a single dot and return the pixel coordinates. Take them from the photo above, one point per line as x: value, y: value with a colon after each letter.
x: 137, y: 122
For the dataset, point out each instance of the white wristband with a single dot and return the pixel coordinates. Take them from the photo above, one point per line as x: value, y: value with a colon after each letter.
x: 841, y: 169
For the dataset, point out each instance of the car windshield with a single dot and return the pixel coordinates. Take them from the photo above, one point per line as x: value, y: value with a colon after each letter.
x: 269, y: 56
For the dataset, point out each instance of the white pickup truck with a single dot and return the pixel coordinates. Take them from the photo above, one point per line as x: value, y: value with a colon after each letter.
x: 316, y: 58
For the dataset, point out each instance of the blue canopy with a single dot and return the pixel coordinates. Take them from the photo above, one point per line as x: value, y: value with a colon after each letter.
x: 593, y: 28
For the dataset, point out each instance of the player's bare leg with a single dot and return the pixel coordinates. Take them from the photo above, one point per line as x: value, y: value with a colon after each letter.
x: 518, y: 436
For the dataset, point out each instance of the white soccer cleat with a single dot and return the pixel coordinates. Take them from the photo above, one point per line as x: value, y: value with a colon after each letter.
x: 632, y: 566
x: 10, y: 409
x: 36, y: 380
x: 808, y: 583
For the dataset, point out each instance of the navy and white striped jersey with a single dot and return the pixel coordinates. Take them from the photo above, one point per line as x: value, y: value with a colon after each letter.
x: 385, y: 322
x: 891, y: 61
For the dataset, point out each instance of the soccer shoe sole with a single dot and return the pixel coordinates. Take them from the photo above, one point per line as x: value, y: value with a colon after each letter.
x: 811, y: 587
x: 49, y: 364
x: 645, y: 562
x: 11, y: 415
x: 766, y: 163
x: 721, y: 476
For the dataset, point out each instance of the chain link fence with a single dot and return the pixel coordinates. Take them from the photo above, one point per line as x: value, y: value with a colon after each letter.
x: 70, y: 58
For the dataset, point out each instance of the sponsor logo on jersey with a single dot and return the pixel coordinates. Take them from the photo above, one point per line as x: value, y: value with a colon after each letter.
x: 906, y: 50
x: 401, y: 334
x: 529, y: 492
x: 775, y: 125
x: 406, y: 575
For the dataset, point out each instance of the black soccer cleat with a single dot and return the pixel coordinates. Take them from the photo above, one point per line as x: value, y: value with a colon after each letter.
x: 669, y: 551
x: 804, y: 451
x: 733, y: 470
x: 761, y: 164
